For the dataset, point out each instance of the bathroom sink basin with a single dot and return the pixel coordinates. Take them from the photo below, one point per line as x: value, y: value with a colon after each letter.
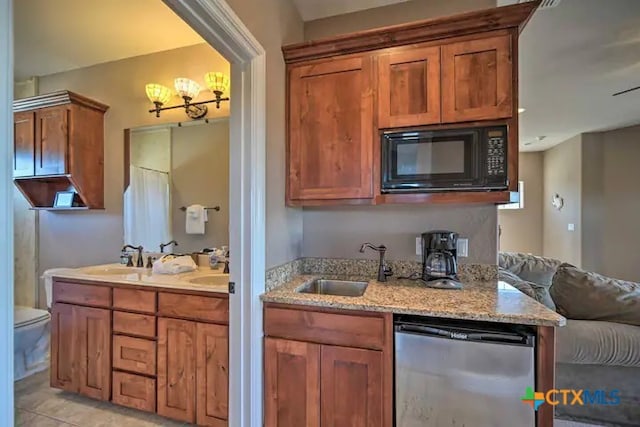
x: 116, y: 271
x: 217, y: 279
x: 343, y: 288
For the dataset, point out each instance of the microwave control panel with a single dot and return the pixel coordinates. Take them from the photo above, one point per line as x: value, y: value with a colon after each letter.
x: 496, y: 153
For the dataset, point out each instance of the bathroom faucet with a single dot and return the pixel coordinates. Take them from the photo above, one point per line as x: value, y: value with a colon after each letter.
x: 140, y: 262
x: 383, y: 270
x: 164, y: 245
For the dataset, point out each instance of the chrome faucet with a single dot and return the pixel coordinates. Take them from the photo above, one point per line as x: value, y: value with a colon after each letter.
x: 164, y: 245
x: 383, y: 270
x: 140, y: 262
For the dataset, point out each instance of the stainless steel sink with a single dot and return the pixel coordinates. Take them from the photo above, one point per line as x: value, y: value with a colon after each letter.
x: 343, y: 288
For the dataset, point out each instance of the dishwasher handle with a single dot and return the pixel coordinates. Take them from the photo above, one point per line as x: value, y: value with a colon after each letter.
x: 462, y: 335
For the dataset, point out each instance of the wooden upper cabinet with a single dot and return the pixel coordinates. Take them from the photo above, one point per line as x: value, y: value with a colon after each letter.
x: 59, y: 146
x: 291, y: 383
x: 52, y: 141
x: 477, y: 79
x: 352, y: 387
x: 331, y: 124
x: 24, y: 144
x: 409, y: 87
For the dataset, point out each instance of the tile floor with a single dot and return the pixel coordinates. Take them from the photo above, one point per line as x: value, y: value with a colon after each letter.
x: 38, y: 405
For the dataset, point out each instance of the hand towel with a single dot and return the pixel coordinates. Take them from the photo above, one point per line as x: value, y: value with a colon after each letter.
x: 196, y: 216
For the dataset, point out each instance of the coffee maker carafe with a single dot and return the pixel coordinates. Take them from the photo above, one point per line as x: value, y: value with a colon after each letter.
x: 439, y: 259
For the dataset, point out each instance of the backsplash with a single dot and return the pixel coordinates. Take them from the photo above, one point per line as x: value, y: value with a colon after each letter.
x: 365, y: 268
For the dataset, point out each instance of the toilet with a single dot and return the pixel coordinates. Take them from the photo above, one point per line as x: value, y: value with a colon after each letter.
x: 31, y: 341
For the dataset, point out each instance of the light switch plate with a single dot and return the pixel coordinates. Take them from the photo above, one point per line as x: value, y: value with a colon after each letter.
x: 463, y: 247
x: 571, y: 227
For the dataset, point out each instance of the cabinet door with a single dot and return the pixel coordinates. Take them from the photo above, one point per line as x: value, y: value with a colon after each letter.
x: 24, y: 144
x: 65, y: 369
x: 52, y: 140
x: 177, y: 369
x: 331, y: 130
x: 351, y: 387
x: 409, y: 87
x: 291, y: 383
x: 476, y: 79
x: 212, y: 379
x: 93, y: 326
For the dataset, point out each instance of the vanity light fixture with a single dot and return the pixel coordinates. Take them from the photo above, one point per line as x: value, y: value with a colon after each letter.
x: 188, y: 90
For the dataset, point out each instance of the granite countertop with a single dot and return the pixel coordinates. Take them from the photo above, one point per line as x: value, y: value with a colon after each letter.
x: 492, y: 300
x: 216, y: 281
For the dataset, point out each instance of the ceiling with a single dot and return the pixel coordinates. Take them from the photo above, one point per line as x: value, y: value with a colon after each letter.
x: 316, y: 9
x: 573, y: 57
x: 61, y: 35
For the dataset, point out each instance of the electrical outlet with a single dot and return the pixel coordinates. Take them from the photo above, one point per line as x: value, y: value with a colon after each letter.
x: 463, y: 247
x: 571, y: 227
x: 419, y: 245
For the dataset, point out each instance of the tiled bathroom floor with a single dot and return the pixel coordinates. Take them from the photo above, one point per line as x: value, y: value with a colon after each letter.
x: 38, y: 405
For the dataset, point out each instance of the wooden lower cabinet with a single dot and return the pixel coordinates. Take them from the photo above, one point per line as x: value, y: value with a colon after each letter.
x: 193, y: 371
x: 176, y: 367
x: 292, y: 383
x: 80, y: 350
x: 351, y: 387
x: 327, y: 382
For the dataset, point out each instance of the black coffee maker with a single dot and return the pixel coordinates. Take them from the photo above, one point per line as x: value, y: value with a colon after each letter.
x: 439, y: 259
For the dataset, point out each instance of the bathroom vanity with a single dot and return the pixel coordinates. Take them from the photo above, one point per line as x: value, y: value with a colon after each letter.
x: 154, y: 343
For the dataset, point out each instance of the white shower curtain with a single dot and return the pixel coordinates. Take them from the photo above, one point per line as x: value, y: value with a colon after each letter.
x: 146, y: 209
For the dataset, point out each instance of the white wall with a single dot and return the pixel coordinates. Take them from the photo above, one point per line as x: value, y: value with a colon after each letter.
x: 563, y: 176
x: 522, y: 228
x: 611, y: 203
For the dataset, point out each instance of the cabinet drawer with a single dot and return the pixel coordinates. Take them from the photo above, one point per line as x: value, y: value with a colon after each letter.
x: 207, y: 309
x: 77, y: 293
x: 134, y: 300
x: 142, y: 325
x: 134, y: 355
x: 134, y: 391
x: 349, y: 330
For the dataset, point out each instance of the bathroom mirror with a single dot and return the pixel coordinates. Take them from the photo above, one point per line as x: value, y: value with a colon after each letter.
x: 170, y: 167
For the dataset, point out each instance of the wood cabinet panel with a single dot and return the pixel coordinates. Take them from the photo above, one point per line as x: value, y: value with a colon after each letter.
x: 477, y: 79
x: 331, y: 130
x: 24, y: 144
x: 325, y: 327
x: 212, y: 367
x: 80, y: 349
x: 351, y: 387
x: 78, y: 293
x: 409, y: 87
x: 142, y: 325
x: 134, y: 354
x: 93, y: 326
x: 207, y: 309
x: 52, y: 141
x: 134, y: 391
x: 291, y: 383
x: 134, y: 300
x: 177, y: 369
x: 64, y: 368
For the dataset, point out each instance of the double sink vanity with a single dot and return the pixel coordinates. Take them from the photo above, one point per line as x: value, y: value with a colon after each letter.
x: 157, y: 343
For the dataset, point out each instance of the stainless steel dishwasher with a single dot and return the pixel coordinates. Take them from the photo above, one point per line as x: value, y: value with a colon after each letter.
x: 462, y: 374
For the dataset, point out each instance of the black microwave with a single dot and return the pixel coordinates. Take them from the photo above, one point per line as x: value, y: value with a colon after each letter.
x: 464, y: 159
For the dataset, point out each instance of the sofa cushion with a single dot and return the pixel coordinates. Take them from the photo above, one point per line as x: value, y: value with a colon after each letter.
x: 584, y: 295
x: 598, y: 343
x: 533, y: 290
x: 532, y: 268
